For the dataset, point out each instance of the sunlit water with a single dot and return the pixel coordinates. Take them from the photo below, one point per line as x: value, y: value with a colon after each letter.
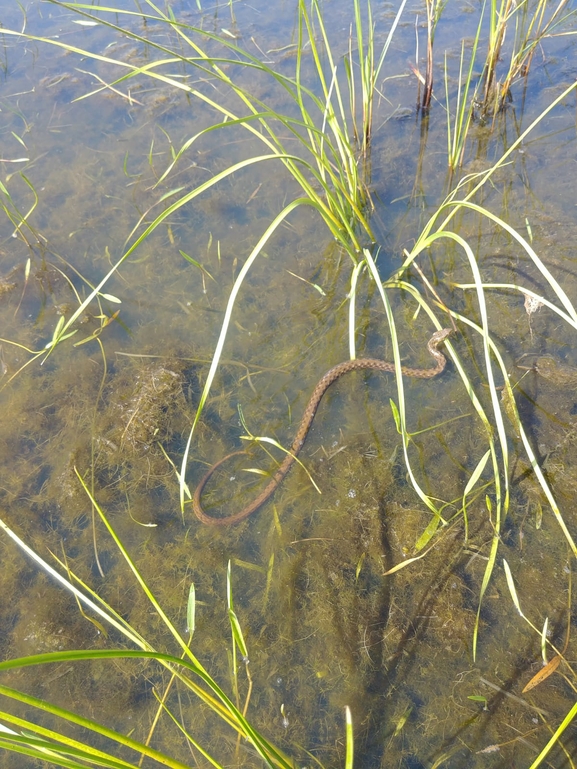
x: 324, y: 627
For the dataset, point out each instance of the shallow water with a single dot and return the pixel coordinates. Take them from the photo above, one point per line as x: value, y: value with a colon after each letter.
x: 325, y: 627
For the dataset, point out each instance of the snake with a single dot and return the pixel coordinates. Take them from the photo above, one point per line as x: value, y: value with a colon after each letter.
x: 324, y: 383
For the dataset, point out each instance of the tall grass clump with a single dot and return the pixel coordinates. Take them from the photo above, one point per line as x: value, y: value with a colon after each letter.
x: 482, y: 97
x: 494, y: 419
x: 60, y: 744
x: 329, y: 140
x: 434, y: 10
x: 331, y: 132
x: 527, y: 27
x: 459, y: 125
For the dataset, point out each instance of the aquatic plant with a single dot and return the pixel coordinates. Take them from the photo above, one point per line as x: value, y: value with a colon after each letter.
x: 494, y: 422
x: 549, y: 667
x: 486, y: 96
x: 331, y: 171
x: 26, y: 736
x: 330, y: 162
x: 458, y: 128
x: 332, y: 167
x: 531, y: 27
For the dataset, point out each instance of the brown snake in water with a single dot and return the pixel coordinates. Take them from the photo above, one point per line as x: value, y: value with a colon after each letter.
x: 308, y: 416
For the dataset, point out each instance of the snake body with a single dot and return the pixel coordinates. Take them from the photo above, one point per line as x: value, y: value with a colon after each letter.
x: 324, y: 383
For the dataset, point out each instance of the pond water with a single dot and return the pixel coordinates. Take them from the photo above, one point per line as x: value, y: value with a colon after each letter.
x: 329, y: 619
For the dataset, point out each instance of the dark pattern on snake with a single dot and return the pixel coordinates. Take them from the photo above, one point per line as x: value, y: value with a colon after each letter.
x: 308, y: 416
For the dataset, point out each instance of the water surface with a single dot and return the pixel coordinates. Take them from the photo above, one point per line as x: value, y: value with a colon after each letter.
x: 324, y: 627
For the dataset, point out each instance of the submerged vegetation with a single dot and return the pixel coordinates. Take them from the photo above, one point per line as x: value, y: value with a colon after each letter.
x: 451, y: 494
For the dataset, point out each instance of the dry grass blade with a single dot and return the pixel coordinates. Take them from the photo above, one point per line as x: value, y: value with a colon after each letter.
x: 543, y: 674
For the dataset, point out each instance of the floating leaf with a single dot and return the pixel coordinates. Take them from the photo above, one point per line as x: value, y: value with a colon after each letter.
x: 544, y: 673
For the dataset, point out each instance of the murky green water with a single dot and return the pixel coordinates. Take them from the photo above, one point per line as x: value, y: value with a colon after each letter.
x: 324, y: 627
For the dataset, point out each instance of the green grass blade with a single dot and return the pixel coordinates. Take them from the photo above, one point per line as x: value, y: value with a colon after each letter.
x: 471, y: 483
x: 511, y: 586
x: 357, y: 269
x: 42, y: 755
x: 132, y: 566
x: 121, y: 626
x: 425, y: 498
x: 265, y: 749
x: 350, y: 751
x: 565, y: 723
x: 59, y: 755
x: 563, y: 298
x: 74, y: 718
x: 525, y: 292
x: 224, y: 332
x: 191, y: 739
x: 237, y: 634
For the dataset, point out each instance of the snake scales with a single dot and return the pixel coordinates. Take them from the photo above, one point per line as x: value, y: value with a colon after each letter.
x: 324, y: 383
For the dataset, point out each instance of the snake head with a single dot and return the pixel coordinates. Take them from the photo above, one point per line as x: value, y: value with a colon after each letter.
x: 440, y: 336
